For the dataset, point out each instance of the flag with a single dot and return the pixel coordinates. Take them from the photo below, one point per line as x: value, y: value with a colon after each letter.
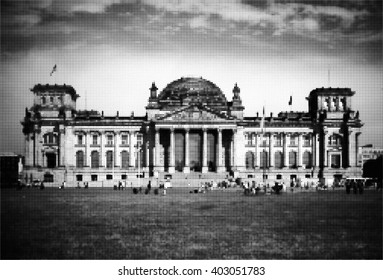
x: 53, y: 70
x: 291, y: 100
x: 263, y: 120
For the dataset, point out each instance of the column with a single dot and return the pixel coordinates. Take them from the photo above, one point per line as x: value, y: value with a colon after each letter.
x: 271, y: 149
x: 317, y: 150
x: 86, y: 148
x: 43, y: 164
x: 187, y: 167
x: 172, y: 156
x: 157, y: 149
x: 233, y: 155
x: 131, y: 149
x: 326, y: 136
x: 350, y: 151
x: 299, y: 150
x: 62, y: 145
x: 147, y: 159
x: 285, y: 152
x: 258, y: 150
x: 357, y: 134
x: 116, y: 156
x: 220, y: 166
x: 313, y: 150
x: 102, y: 156
x: 255, y: 150
x: 204, y: 151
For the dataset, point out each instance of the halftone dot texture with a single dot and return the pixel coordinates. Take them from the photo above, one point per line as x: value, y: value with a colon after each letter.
x: 102, y: 223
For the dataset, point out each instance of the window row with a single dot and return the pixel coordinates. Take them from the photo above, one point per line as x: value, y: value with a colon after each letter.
x: 50, y: 100
x: 278, y: 160
x: 95, y: 159
x: 95, y: 177
x: 110, y: 139
x: 250, y: 140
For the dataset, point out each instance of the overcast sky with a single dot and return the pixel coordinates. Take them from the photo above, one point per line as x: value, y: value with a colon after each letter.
x: 111, y: 51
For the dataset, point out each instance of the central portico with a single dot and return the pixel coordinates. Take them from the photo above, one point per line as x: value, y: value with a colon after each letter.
x: 194, y: 127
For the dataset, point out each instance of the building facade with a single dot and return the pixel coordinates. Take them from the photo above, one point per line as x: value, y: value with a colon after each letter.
x: 190, y: 128
x: 368, y: 152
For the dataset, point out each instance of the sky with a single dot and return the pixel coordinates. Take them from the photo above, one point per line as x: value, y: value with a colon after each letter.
x: 111, y: 51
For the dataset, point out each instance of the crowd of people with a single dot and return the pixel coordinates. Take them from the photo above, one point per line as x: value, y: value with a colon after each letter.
x: 249, y: 187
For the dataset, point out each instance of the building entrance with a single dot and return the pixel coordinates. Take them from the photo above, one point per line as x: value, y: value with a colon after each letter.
x: 51, y: 160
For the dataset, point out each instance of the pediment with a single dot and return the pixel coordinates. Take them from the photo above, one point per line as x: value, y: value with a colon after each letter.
x: 195, y: 113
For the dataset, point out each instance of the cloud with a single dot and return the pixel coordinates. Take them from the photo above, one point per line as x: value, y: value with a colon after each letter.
x: 199, y: 22
x: 297, y: 17
x: 53, y: 23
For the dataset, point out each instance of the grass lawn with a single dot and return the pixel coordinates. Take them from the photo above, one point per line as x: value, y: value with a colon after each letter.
x: 108, y: 224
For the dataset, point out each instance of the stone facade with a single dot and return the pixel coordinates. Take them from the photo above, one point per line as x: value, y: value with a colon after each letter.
x: 190, y: 127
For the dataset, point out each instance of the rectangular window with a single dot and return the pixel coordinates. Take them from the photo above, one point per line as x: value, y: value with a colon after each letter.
x: 306, y: 140
x: 124, y: 139
x: 109, y: 140
x: 278, y: 140
x: 248, y: 139
x: 335, y: 161
x: 293, y: 140
x: 109, y: 177
x: 94, y: 177
x: 95, y: 140
x: 123, y: 177
x: 80, y: 140
x: 78, y: 177
x: 48, y: 178
x: 263, y: 141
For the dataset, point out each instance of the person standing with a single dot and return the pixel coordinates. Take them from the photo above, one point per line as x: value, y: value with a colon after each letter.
x: 348, y: 186
x: 167, y: 185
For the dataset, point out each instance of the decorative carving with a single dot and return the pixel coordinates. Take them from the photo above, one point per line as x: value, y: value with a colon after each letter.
x: 195, y: 113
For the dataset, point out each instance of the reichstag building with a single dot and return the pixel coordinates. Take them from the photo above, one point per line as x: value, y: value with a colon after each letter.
x: 190, y: 129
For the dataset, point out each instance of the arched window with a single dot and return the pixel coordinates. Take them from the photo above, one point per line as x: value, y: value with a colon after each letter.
x: 307, y: 159
x: 94, y: 159
x: 264, y: 159
x: 109, y: 159
x: 293, y: 159
x: 124, y: 159
x: 278, y: 158
x: 79, y: 159
x: 249, y: 160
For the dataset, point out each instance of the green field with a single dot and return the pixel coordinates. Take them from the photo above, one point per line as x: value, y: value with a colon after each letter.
x: 108, y: 224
